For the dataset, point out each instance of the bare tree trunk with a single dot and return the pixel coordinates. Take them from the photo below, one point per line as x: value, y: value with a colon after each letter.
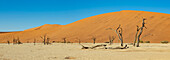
x: 136, y: 36
x: 64, y: 40
x: 18, y: 41
x: 141, y: 30
x: 79, y: 41
x: 44, y: 38
x: 94, y: 40
x: 120, y: 34
x: 111, y: 38
x: 48, y: 41
x: 139, y: 37
x: 14, y: 41
x: 34, y: 41
x: 8, y: 42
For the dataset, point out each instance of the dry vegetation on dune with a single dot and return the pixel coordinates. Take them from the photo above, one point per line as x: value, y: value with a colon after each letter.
x: 96, y: 26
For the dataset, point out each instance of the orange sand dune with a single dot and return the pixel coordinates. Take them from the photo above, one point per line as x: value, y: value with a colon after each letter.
x: 46, y: 26
x: 158, y: 28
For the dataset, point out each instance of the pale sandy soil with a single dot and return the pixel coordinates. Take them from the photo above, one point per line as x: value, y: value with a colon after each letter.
x: 58, y: 51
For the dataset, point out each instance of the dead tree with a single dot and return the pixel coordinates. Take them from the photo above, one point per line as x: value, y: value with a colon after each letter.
x: 141, y: 30
x: 136, y: 35
x: 48, y: 41
x: 94, y: 40
x: 79, y: 41
x: 8, y: 42
x: 119, y: 34
x: 34, y: 41
x: 111, y: 39
x: 18, y: 41
x: 14, y: 41
x: 64, y: 40
x: 44, y: 38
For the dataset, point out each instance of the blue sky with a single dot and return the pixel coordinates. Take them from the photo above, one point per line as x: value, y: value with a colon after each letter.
x: 18, y: 15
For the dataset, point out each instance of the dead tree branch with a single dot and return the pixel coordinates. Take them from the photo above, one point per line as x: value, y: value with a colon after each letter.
x: 121, y: 47
x: 8, y: 42
x: 94, y: 40
x: 14, y: 41
x: 48, y: 41
x: 111, y: 39
x: 34, y: 41
x: 18, y: 41
x: 119, y: 34
x: 79, y: 41
x: 103, y: 45
x: 136, y: 35
x: 93, y: 47
x: 44, y: 38
x: 64, y: 39
x: 141, y: 31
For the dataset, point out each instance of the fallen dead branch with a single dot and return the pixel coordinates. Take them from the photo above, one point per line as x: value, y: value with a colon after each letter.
x: 119, y: 47
x: 93, y: 47
x: 103, y: 45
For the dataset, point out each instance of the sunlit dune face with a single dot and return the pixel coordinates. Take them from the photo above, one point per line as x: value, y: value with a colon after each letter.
x: 158, y: 26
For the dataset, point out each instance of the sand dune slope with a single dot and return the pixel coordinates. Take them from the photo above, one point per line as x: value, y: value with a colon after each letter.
x: 158, y: 28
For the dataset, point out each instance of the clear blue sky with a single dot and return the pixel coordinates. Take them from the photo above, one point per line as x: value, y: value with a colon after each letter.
x: 18, y: 15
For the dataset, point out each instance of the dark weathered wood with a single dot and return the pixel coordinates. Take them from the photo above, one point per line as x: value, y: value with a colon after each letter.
x: 83, y: 47
x: 103, y: 45
x: 141, y: 30
x: 79, y: 41
x: 44, y: 38
x: 14, y: 40
x: 136, y: 35
x: 34, y: 41
x: 93, y: 47
x: 120, y: 34
x: 48, y: 41
x: 18, y: 41
x: 94, y: 40
x: 121, y: 47
x: 64, y: 40
x: 8, y: 42
x: 111, y: 39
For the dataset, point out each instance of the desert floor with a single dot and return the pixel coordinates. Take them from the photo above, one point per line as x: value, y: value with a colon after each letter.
x: 60, y: 51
